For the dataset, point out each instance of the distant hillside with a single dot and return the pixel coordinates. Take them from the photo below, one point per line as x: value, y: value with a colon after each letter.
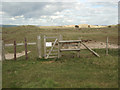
x: 9, y: 25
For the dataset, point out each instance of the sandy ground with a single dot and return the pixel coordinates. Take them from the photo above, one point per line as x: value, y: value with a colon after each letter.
x: 94, y: 45
x: 11, y: 55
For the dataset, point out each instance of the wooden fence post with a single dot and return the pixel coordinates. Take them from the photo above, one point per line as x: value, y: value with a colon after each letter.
x: 59, y: 46
x: 39, y: 46
x: 44, y: 46
x: 79, y: 44
x: 26, y: 56
x: 107, y: 46
x: 14, y: 50
x: 3, y: 51
x: 79, y: 50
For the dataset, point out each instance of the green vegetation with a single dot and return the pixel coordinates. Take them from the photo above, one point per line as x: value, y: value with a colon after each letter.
x: 84, y: 72
x: 69, y: 71
x: 31, y: 32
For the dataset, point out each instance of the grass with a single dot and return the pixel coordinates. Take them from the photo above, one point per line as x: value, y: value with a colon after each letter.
x: 84, y: 72
x: 69, y: 71
x: 0, y: 75
x: 31, y: 32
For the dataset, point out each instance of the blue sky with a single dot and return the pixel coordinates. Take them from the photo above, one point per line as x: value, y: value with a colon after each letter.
x: 94, y: 12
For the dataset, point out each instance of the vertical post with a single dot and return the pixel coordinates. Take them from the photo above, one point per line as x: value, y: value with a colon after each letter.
x: 59, y: 46
x: 79, y: 50
x: 79, y: 44
x: 26, y: 56
x: 39, y: 46
x: 44, y: 46
x: 107, y: 46
x: 14, y: 50
x: 3, y: 51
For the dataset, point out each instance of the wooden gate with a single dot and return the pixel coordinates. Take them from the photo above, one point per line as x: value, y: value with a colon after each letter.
x: 50, y: 47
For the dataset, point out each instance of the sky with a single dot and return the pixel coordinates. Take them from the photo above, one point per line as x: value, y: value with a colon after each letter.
x: 52, y: 13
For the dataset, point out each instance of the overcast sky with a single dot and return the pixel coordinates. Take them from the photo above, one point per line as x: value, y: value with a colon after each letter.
x: 60, y: 13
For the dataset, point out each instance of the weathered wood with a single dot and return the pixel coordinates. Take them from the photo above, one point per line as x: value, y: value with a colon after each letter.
x: 70, y: 41
x: 79, y: 45
x: 107, y: 46
x: 32, y: 43
x: 44, y: 46
x: 69, y: 49
x: 6, y: 45
x: 79, y: 50
x: 58, y: 50
x: 26, y: 56
x: 14, y: 50
x: 3, y: 51
x: 52, y: 48
x: 39, y: 46
x: 20, y: 44
x: 50, y: 37
x: 59, y: 46
x: 91, y: 50
x: 52, y: 56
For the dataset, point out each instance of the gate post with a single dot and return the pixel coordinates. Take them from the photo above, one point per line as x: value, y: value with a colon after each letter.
x: 59, y: 46
x: 14, y: 50
x: 79, y: 44
x: 44, y: 46
x: 39, y: 46
x: 26, y: 56
x: 3, y: 51
x: 107, y: 46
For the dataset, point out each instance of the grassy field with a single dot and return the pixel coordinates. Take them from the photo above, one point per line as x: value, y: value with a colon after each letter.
x: 87, y: 71
x: 31, y: 32
x: 84, y: 72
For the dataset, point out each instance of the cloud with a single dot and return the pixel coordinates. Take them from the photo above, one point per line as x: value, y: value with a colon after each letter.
x: 60, y: 0
x: 60, y: 13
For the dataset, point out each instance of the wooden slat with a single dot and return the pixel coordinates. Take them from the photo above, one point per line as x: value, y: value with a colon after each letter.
x: 9, y: 45
x: 69, y: 49
x: 91, y: 50
x: 52, y: 56
x: 33, y: 43
x: 20, y: 44
x: 50, y: 37
x: 70, y: 41
x: 52, y: 50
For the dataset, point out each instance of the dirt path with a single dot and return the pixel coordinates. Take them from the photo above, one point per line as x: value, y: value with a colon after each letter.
x: 95, y: 45
x: 99, y: 45
x: 11, y: 55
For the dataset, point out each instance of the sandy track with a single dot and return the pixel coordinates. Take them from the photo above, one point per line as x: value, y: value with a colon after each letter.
x: 95, y: 45
x: 11, y: 55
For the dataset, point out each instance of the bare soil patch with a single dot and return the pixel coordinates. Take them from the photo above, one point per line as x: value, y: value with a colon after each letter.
x: 11, y: 55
